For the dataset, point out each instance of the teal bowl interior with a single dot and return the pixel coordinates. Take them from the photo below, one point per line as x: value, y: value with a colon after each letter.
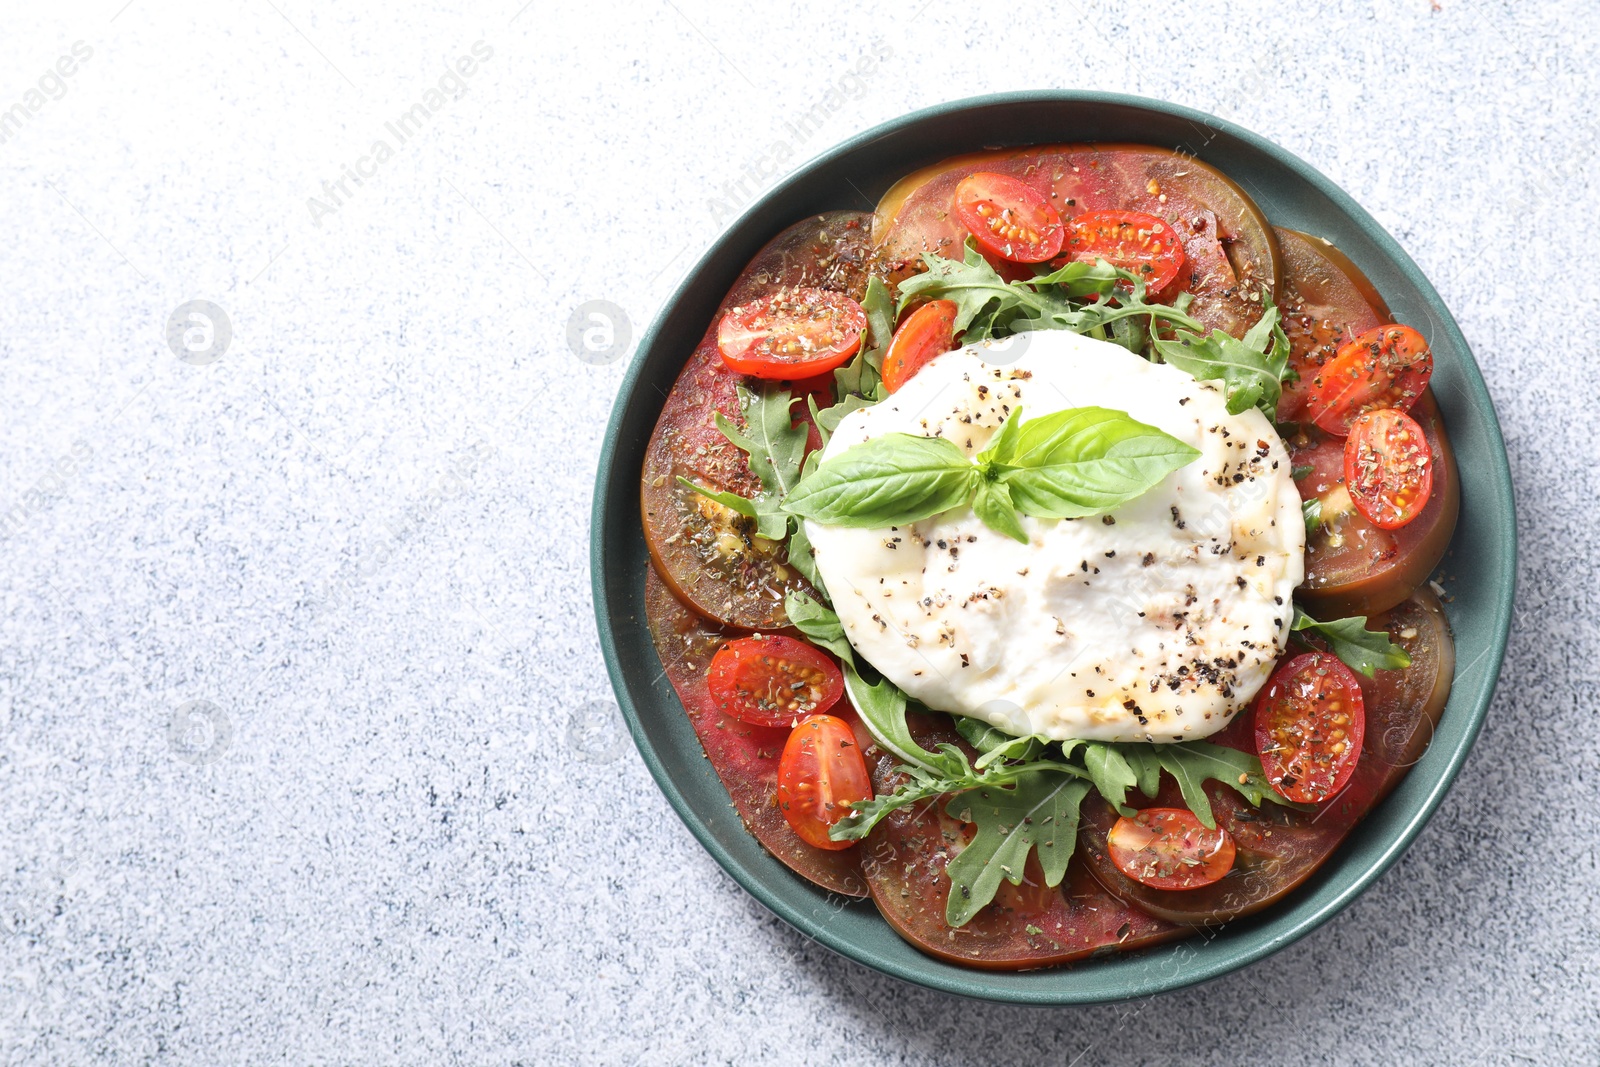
x: 853, y: 175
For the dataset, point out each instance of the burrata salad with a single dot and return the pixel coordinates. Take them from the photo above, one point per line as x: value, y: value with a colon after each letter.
x: 1045, y: 555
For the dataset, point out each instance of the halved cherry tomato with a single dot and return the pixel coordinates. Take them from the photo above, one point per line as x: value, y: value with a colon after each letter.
x: 1388, y: 467
x: 1132, y: 240
x: 1384, y: 368
x: 794, y: 333
x: 1310, y: 722
x: 820, y: 774
x: 1168, y: 848
x: 927, y: 332
x: 1008, y: 218
x: 772, y: 680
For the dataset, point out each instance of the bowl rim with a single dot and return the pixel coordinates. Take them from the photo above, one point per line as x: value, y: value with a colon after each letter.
x: 978, y: 984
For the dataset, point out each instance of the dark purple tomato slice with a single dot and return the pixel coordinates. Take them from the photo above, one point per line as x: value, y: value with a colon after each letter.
x: 1353, y: 567
x: 1229, y: 248
x: 745, y: 757
x: 1026, y: 926
x: 1326, y: 303
x: 707, y: 553
x: 1278, y: 848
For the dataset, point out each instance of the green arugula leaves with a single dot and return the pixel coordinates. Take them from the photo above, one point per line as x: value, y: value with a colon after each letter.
x: 1038, y: 812
x: 988, y: 306
x: 776, y: 448
x: 1361, y: 649
x: 1066, y: 465
x: 1250, y: 369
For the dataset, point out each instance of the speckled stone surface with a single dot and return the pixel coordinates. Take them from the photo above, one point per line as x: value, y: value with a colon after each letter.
x: 306, y: 751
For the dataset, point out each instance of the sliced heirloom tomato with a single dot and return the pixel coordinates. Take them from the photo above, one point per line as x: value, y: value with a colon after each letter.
x: 746, y: 758
x: 1388, y: 468
x: 927, y: 332
x: 1352, y: 566
x: 1229, y: 249
x: 820, y: 774
x: 794, y: 333
x: 1169, y: 848
x: 1008, y: 218
x: 1326, y: 303
x: 1132, y: 240
x: 707, y: 553
x: 1277, y: 848
x: 1388, y: 367
x: 773, y: 680
x: 1026, y: 926
x: 1310, y: 719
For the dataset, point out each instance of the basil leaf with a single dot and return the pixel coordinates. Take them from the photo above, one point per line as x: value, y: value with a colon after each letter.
x: 1003, y: 445
x: 887, y: 481
x: 1086, y: 461
x: 1361, y: 649
x: 994, y: 509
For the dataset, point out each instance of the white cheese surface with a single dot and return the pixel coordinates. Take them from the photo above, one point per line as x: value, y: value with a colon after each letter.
x: 1154, y: 623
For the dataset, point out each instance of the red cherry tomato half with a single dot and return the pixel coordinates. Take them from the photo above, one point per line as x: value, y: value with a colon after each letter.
x: 927, y: 332
x: 1008, y: 218
x: 1168, y: 848
x: 1384, y: 368
x: 772, y: 680
x: 794, y: 333
x: 1310, y: 722
x: 1132, y: 240
x: 820, y: 774
x: 1388, y: 467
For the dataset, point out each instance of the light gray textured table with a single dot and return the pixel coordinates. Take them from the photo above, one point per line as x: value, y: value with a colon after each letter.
x: 305, y: 754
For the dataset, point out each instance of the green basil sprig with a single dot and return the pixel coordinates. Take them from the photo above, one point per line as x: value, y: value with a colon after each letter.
x: 1066, y: 465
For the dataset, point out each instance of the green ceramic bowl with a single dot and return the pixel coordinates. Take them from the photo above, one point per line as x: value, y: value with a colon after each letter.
x: 853, y: 175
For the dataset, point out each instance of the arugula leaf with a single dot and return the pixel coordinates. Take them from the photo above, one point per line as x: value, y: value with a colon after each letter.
x: 1251, y: 369
x: 1109, y: 771
x: 1039, y: 811
x: 1086, y: 461
x: 829, y: 418
x: 971, y: 284
x: 883, y: 708
x: 887, y: 481
x: 982, y: 735
x: 987, y: 306
x: 862, y: 376
x: 743, y: 505
x: 1312, y: 510
x: 775, y: 448
x: 1361, y: 649
x: 1192, y: 762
